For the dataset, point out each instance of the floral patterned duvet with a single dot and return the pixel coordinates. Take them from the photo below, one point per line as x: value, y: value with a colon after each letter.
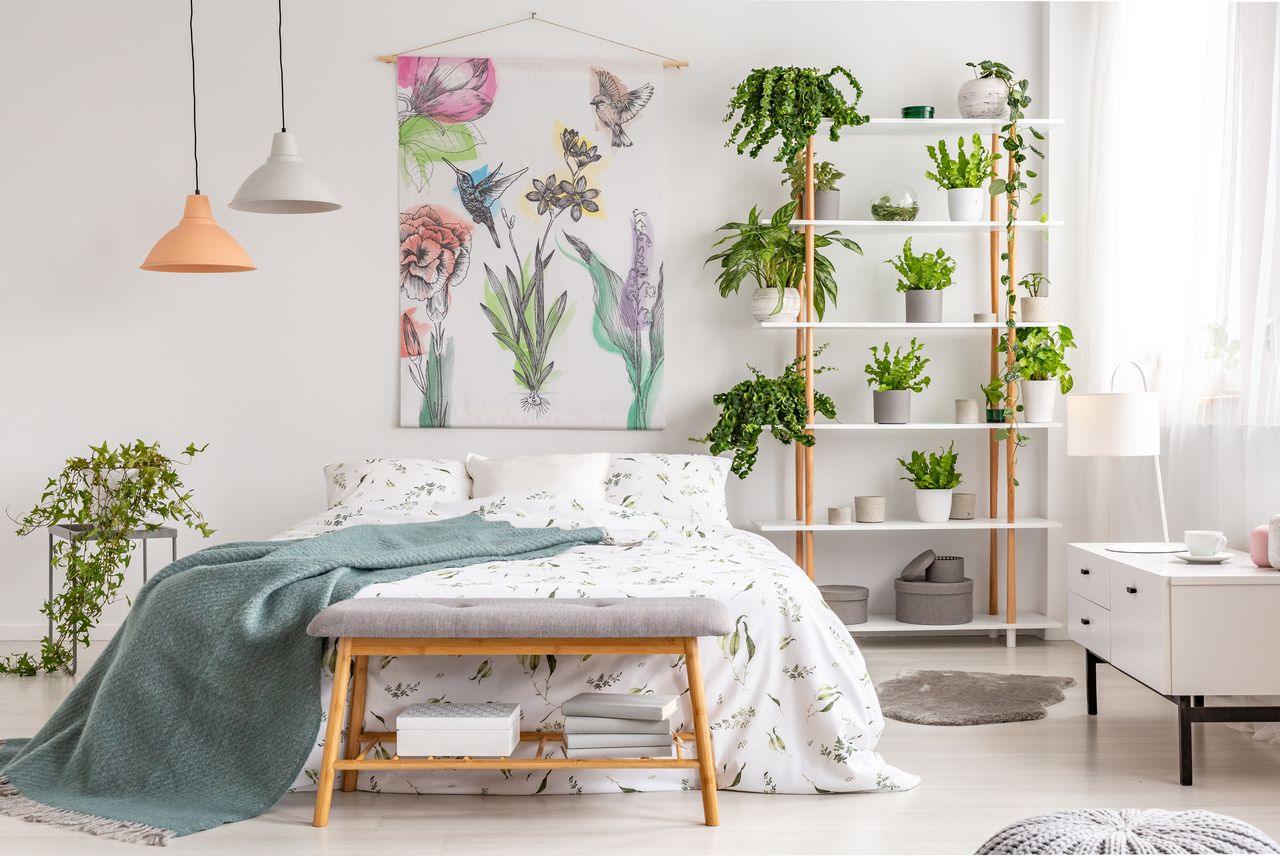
x: 792, y: 707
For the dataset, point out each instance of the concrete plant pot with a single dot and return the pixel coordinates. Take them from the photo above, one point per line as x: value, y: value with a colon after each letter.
x: 826, y: 205
x: 963, y: 506
x: 764, y: 305
x: 968, y: 411
x: 933, y: 506
x: 891, y: 406
x: 868, y: 509
x: 1035, y: 310
x: 924, y: 306
x: 1038, y: 398
x: 983, y: 98
x: 967, y: 204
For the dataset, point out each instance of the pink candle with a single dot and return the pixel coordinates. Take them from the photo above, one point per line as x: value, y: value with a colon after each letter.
x: 1258, y: 546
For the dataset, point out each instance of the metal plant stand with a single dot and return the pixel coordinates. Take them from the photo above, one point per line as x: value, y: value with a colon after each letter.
x: 74, y: 532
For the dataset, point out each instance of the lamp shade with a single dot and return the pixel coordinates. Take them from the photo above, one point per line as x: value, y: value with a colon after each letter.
x: 198, y: 245
x: 1113, y: 424
x: 284, y: 184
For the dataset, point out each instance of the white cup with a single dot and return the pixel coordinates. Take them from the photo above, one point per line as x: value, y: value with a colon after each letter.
x: 1204, y: 542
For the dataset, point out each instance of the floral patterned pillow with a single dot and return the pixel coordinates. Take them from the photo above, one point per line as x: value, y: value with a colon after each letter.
x: 396, y: 484
x: 682, y: 487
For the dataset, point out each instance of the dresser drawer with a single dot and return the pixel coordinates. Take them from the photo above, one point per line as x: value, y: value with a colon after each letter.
x: 1089, y: 625
x: 1140, y: 625
x: 1089, y: 575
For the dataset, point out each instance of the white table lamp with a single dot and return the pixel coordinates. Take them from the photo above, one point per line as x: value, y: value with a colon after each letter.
x: 1121, y: 425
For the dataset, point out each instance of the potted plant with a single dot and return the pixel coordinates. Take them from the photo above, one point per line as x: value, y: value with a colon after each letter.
x: 790, y: 103
x: 994, y: 393
x: 770, y: 253
x: 986, y: 96
x: 760, y: 401
x: 103, y: 498
x: 1035, y: 306
x: 826, y: 196
x: 922, y: 279
x: 962, y: 177
x: 895, y: 376
x: 1039, y: 359
x: 934, y: 476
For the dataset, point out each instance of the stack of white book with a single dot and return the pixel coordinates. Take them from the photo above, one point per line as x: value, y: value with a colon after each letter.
x: 618, y: 725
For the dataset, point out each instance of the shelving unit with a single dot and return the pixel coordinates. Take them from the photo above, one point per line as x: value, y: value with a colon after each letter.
x: 1010, y: 523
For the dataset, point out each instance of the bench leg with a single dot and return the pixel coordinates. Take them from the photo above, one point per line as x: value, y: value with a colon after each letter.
x: 333, y: 732
x: 702, y: 733
x: 355, y: 721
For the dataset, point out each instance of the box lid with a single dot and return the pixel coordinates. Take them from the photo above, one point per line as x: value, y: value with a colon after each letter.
x: 456, y: 716
x: 844, y: 593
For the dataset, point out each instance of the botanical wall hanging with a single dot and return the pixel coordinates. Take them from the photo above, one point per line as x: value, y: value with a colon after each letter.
x: 531, y: 243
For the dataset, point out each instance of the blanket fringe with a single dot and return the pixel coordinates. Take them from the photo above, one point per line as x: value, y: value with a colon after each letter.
x: 15, y: 804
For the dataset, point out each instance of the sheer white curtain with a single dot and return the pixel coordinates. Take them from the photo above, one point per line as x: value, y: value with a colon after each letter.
x: 1181, y: 227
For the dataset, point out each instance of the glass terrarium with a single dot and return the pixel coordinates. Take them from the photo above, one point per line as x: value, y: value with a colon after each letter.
x: 894, y: 200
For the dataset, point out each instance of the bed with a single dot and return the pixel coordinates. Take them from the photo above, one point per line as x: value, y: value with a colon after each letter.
x: 792, y: 707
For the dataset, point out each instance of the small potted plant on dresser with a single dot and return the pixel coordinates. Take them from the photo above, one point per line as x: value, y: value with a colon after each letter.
x: 826, y: 196
x: 923, y: 277
x: 895, y: 376
x: 962, y: 177
x: 1040, y: 361
x: 772, y: 254
x: 987, y: 95
x: 935, y: 477
x: 1034, y: 308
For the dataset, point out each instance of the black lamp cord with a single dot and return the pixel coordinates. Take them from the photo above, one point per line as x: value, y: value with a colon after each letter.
x: 195, y: 132
x: 280, y: 44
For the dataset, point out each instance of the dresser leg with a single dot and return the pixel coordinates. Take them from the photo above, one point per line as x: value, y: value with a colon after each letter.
x: 1091, y: 661
x: 1184, y: 740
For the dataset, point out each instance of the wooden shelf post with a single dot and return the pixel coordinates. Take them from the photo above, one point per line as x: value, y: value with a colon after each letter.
x: 807, y: 313
x: 993, y: 446
x: 1011, y: 441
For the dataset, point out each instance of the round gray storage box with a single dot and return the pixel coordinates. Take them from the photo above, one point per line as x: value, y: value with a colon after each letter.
x: 933, y: 603
x: 848, y: 602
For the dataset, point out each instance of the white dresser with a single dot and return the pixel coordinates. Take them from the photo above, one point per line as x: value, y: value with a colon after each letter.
x: 1186, y: 631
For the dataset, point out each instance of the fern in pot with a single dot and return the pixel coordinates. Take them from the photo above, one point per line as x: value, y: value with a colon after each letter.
x: 894, y: 377
x: 826, y: 196
x: 922, y: 279
x: 934, y: 476
x: 963, y: 177
x: 1040, y: 363
x: 772, y: 254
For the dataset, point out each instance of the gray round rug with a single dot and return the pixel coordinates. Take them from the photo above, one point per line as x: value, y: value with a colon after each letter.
x: 969, y: 698
x: 1129, y: 831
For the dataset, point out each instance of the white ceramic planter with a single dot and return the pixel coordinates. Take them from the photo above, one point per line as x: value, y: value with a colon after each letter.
x: 967, y: 204
x: 1038, y: 398
x: 983, y: 98
x: 764, y: 305
x: 1034, y: 310
x: 933, y: 506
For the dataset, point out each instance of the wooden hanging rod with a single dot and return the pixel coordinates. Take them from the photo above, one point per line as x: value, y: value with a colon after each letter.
x: 667, y: 62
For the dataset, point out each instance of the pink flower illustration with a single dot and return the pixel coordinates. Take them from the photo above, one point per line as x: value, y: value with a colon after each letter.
x: 435, y: 252
x: 448, y: 90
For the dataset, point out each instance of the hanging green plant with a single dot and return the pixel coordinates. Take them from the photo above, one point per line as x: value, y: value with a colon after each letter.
x: 790, y: 103
x: 103, y: 497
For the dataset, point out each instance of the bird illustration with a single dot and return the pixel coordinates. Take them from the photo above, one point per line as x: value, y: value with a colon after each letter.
x: 477, y: 196
x: 615, y: 106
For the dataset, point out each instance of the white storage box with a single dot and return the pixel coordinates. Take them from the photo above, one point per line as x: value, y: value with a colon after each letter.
x: 448, y: 729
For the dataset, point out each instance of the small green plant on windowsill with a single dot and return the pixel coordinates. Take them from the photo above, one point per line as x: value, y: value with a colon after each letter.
x: 825, y: 176
x: 929, y: 271
x: 932, y: 471
x: 965, y: 170
x: 777, y: 403
x: 896, y: 370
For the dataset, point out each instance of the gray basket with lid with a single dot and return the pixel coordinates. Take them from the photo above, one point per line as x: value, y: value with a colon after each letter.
x: 848, y: 602
x: 933, y: 603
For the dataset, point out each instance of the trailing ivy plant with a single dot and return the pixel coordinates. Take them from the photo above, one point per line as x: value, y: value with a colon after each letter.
x: 825, y: 176
x: 1041, y: 354
x: 789, y: 104
x: 896, y: 370
x: 103, y: 496
x: 933, y: 471
x: 931, y: 271
x: 777, y: 403
x: 966, y: 169
x: 772, y: 253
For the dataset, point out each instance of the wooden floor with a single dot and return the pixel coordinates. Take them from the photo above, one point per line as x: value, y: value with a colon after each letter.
x: 976, y: 780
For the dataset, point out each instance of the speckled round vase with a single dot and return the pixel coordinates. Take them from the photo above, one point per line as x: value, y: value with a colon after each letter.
x: 839, y: 515
x: 1258, y: 540
x: 983, y: 98
x: 868, y: 509
x: 968, y: 411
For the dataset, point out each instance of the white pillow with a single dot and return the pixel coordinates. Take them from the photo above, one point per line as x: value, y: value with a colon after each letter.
x: 400, y: 484
x: 682, y: 487
x: 579, y: 475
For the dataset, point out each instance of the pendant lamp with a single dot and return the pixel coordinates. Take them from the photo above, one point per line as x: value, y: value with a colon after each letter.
x: 197, y: 244
x: 284, y: 184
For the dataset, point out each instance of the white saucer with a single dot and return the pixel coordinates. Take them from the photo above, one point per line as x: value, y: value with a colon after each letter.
x: 1203, y: 560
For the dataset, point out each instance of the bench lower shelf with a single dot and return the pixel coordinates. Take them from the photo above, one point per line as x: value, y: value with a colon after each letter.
x: 876, y: 624
x: 537, y: 762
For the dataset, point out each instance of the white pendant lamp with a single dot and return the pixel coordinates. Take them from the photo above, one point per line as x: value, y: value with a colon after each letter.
x: 197, y: 244
x: 284, y: 184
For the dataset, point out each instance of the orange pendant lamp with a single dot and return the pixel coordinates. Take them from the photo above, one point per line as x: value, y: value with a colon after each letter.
x: 197, y: 244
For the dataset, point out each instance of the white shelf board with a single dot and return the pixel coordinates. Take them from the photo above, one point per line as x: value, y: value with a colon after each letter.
x: 888, y: 624
x: 942, y: 125
x: 890, y: 226
x: 926, y: 426
x: 907, y: 525
x: 897, y: 325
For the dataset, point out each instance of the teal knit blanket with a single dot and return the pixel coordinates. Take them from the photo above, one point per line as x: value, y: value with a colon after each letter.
x: 205, y: 704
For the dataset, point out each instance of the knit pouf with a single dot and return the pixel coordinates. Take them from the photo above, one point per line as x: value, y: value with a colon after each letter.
x: 1130, y: 831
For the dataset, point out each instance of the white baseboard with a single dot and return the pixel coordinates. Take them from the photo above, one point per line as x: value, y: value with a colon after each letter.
x: 34, y: 632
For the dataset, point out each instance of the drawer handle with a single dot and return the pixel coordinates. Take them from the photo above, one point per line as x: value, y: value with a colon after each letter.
x: 1084, y: 621
x: 1131, y: 589
x: 1084, y: 572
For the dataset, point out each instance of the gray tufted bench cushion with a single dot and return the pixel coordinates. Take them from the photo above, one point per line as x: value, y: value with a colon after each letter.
x: 519, y: 617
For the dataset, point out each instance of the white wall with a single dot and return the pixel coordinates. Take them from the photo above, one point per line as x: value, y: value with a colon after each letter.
x: 294, y: 365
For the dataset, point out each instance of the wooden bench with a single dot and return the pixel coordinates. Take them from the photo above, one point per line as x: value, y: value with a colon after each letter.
x: 403, y: 627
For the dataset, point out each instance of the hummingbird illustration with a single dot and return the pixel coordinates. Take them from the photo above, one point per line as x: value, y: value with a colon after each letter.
x: 477, y: 196
x: 615, y: 106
